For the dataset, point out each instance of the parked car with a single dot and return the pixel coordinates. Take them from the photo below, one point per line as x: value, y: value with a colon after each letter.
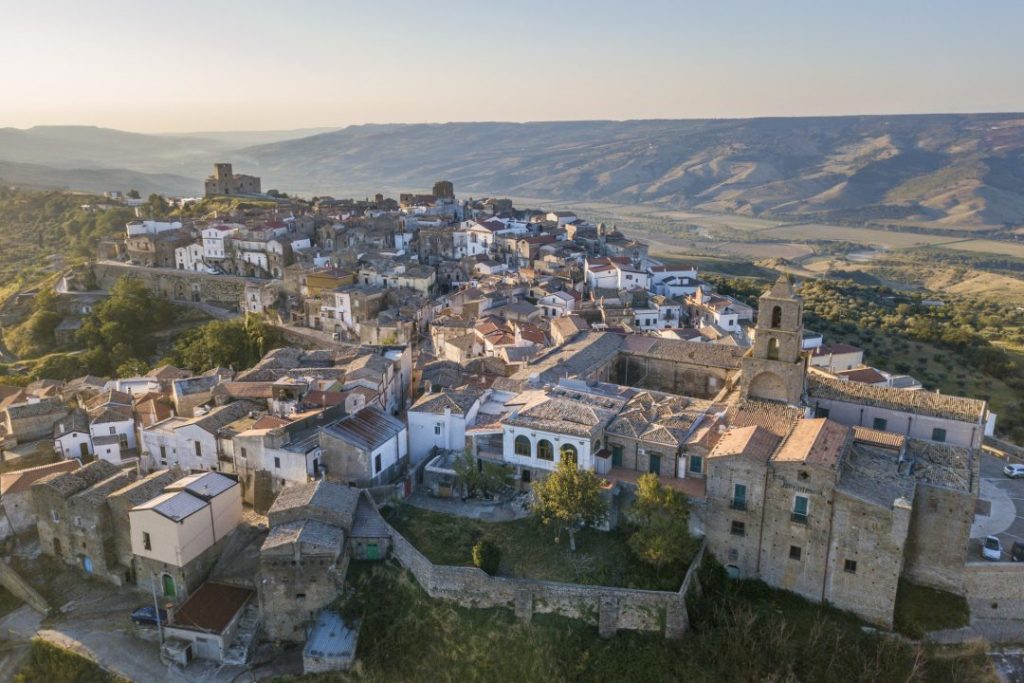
x: 147, y: 615
x: 1014, y: 471
x: 992, y: 548
x: 1017, y: 552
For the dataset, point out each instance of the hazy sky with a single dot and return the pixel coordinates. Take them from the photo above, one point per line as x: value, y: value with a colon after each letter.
x: 189, y: 65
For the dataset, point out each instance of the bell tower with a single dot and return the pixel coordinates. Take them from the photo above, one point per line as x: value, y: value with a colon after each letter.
x: 774, y: 368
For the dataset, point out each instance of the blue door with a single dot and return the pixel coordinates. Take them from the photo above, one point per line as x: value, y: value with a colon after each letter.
x: 87, y: 564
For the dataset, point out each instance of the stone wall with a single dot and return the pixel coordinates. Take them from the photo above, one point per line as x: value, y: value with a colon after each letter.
x: 608, y: 608
x: 21, y: 589
x: 672, y: 376
x: 937, y: 543
x: 177, y: 285
x: 995, y: 590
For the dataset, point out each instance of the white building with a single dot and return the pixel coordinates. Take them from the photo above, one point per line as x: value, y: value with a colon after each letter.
x: 214, y: 236
x: 149, y: 227
x: 190, y: 257
x: 557, y: 304
x: 440, y: 420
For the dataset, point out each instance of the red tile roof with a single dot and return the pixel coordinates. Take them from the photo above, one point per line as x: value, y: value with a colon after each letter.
x: 212, y: 607
x: 22, y: 480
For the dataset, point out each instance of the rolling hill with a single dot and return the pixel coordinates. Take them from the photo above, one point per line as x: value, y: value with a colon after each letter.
x: 97, y: 180
x: 946, y: 168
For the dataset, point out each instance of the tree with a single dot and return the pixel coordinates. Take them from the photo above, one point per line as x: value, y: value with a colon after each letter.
x: 482, y: 479
x: 570, y: 498
x: 121, y: 327
x: 134, y: 194
x: 487, y: 557
x: 132, y: 368
x: 661, y: 519
x: 238, y: 344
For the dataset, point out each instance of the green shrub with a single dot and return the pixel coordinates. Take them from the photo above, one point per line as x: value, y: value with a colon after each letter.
x: 487, y: 556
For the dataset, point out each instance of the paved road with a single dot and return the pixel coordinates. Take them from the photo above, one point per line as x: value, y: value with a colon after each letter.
x: 1006, y: 516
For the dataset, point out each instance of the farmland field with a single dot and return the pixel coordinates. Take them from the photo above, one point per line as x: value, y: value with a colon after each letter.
x: 886, y: 238
x: 987, y: 246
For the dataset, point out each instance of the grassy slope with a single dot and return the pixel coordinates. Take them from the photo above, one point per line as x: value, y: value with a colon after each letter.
x: 744, y: 632
x: 53, y: 664
x: 528, y: 549
x: 920, y: 609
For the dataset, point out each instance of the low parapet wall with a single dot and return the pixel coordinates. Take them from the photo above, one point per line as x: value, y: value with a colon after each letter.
x: 608, y: 608
x: 995, y: 590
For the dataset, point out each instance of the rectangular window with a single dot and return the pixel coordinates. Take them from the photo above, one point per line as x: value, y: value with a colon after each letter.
x: 696, y: 464
x: 738, y: 529
x: 277, y: 463
x: 113, y: 431
x: 850, y: 566
x: 739, y: 497
x: 163, y: 453
x: 526, y: 476
x: 55, y: 516
x: 199, y: 449
x: 147, y: 543
x: 880, y: 423
x: 939, y: 434
x: 437, y: 429
x: 795, y: 552
x: 800, y: 509
x: 376, y: 464
x: 243, y: 453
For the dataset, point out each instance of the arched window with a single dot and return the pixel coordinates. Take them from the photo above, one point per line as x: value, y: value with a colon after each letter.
x: 545, y: 451
x: 568, y: 452
x: 773, y: 349
x: 523, y: 446
x: 776, y: 317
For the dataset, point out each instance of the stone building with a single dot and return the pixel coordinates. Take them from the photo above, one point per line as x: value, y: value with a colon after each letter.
x: 225, y: 181
x: 365, y: 449
x: 838, y: 514
x: 774, y: 370
x: 33, y: 420
x: 304, y: 559
x: 73, y: 527
x: 16, y: 494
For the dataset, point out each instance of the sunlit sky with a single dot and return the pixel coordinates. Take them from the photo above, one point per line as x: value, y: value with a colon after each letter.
x: 186, y: 65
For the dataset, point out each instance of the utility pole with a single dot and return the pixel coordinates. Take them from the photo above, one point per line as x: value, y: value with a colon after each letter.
x: 156, y: 606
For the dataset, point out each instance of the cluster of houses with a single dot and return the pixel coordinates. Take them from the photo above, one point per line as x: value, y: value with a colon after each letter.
x: 523, y: 338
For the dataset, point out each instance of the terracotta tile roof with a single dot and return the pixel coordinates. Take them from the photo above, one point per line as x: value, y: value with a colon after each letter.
x: 22, y: 480
x: 697, y: 353
x: 822, y: 386
x: 751, y: 442
x: 875, y: 437
x: 817, y: 441
x: 212, y: 607
x: 775, y: 417
x: 862, y: 375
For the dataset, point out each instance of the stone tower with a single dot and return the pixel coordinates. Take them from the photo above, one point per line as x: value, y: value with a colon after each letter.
x: 774, y: 369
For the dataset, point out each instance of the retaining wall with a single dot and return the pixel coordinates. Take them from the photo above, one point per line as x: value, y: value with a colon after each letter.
x: 995, y: 590
x: 20, y: 588
x: 606, y: 607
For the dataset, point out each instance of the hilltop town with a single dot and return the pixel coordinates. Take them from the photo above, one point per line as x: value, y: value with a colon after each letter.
x: 426, y: 332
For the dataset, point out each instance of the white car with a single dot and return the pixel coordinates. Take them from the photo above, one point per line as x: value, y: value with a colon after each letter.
x: 992, y: 548
x: 1014, y: 471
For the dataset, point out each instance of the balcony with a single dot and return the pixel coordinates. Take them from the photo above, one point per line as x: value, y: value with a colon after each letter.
x: 738, y: 504
x: 798, y: 517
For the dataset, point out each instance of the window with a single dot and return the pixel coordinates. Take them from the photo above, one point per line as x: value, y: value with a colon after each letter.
x: 147, y: 542
x: 243, y: 453
x: 739, y: 497
x: 113, y: 431
x: 820, y: 412
x: 773, y: 349
x: 568, y: 452
x: 522, y: 446
x: 376, y: 464
x: 300, y: 596
x: 526, y: 476
x: 800, y: 508
x: 850, y: 566
x: 77, y: 521
x: 777, y: 317
x: 794, y: 552
x: 696, y: 464
x: 437, y: 429
x: 939, y: 434
x: 545, y: 451
x: 199, y: 449
x: 277, y: 463
x: 738, y: 529
x: 163, y: 453
x: 55, y: 516
x: 879, y: 423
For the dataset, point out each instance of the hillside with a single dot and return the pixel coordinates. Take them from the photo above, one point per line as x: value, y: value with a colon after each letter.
x: 946, y: 168
x: 96, y: 180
